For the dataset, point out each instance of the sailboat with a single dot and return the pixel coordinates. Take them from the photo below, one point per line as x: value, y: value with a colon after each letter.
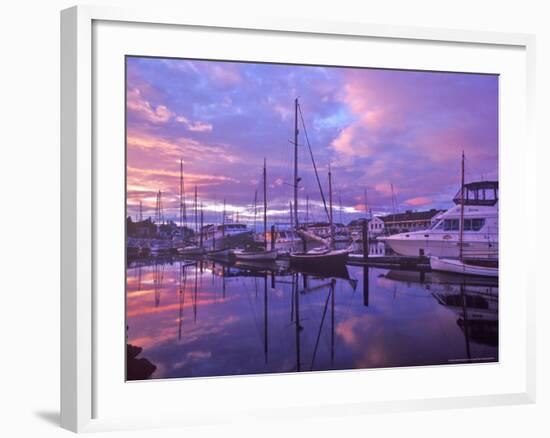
x: 322, y: 257
x: 261, y: 253
x: 186, y: 248
x: 482, y: 266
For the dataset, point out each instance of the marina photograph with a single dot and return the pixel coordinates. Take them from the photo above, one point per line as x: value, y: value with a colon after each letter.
x: 284, y: 218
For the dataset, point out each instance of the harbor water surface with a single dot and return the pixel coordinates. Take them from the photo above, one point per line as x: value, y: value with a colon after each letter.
x: 210, y: 318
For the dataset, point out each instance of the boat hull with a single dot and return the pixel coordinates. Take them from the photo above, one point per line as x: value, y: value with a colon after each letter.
x: 440, y: 248
x: 319, y: 261
x: 462, y: 267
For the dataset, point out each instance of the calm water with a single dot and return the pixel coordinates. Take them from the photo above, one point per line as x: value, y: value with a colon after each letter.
x: 209, y: 319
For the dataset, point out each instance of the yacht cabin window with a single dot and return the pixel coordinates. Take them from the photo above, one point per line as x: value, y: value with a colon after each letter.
x: 475, y: 224
x: 451, y: 225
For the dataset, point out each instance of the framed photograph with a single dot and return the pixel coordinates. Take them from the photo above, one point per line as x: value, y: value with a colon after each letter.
x: 323, y: 227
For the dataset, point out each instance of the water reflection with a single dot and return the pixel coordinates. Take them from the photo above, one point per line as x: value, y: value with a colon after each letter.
x: 211, y: 318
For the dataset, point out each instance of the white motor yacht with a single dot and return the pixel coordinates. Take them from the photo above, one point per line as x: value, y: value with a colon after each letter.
x: 442, y: 239
x: 228, y: 235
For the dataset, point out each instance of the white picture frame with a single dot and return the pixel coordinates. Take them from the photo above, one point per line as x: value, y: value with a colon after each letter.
x: 79, y: 173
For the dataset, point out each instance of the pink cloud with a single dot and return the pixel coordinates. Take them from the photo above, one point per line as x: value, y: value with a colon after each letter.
x: 194, y: 126
x: 419, y: 201
x: 372, y: 115
x: 140, y: 106
x: 345, y: 142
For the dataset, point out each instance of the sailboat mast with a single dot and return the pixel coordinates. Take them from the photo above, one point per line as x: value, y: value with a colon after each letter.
x: 296, y: 163
x: 307, y: 210
x: 159, y: 214
x: 340, y: 205
x: 181, y: 197
x: 366, y: 204
x: 461, y: 243
x: 255, y: 208
x: 393, y: 202
x: 223, y: 220
x: 196, y: 212
x: 157, y: 211
x: 202, y: 226
x: 265, y: 207
x: 330, y: 207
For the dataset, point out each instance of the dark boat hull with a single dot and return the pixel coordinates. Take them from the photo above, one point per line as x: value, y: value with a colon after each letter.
x: 318, y: 262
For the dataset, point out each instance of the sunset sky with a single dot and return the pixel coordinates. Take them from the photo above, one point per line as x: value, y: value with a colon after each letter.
x: 375, y: 127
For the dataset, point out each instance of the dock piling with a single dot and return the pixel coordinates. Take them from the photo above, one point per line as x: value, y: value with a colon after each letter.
x: 365, y: 233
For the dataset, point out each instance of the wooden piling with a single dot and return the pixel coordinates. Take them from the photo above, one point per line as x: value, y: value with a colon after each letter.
x: 365, y: 233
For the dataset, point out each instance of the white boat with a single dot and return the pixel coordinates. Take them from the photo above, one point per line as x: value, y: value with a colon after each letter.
x: 480, y: 267
x: 260, y: 254
x: 480, y: 230
x: 287, y: 241
x: 229, y: 235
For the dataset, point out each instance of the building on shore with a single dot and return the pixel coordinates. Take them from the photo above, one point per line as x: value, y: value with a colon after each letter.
x: 375, y: 226
x: 409, y: 221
